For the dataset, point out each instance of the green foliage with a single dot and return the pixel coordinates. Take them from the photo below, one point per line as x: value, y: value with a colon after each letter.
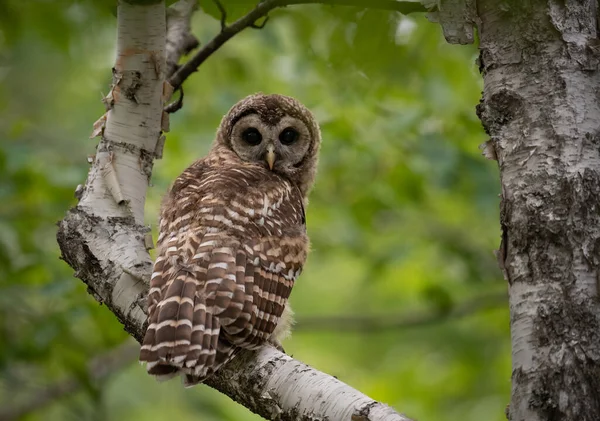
x: 403, y: 219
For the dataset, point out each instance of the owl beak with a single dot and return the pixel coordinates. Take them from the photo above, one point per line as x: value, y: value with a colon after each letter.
x: 270, y: 157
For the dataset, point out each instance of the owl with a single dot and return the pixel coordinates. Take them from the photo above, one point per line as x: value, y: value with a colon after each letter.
x: 232, y: 241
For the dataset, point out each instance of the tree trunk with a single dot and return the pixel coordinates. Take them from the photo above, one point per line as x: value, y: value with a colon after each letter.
x: 104, y: 237
x: 541, y: 108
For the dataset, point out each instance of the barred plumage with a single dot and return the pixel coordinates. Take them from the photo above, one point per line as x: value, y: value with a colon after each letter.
x: 232, y: 240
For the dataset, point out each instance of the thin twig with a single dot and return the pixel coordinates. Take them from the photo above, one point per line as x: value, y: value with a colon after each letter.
x: 177, y: 104
x: 261, y: 10
x: 223, y: 14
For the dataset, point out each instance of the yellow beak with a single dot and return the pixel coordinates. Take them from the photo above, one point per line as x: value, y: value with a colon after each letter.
x: 270, y: 157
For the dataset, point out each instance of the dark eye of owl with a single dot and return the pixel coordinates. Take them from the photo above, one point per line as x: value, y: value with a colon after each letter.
x: 288, y: 136
x: 252, y: 136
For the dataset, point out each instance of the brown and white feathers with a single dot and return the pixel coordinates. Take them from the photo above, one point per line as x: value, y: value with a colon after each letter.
x: 232, y: 240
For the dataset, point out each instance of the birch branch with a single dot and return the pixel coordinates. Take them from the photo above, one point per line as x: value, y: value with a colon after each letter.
x: 262, y: 10
x: 105, y: 240
x: 180, y: 41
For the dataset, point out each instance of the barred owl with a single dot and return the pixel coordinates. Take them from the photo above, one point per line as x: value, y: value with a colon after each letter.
x: 232, y: 241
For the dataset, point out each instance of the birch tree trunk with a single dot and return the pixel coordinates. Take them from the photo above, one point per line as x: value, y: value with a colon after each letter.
x: 541, y: 108
x: 104, y: 236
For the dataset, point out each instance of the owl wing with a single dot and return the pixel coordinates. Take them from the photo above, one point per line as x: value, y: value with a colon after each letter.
x: 215, y: 290
x: 196, y: 288
x: 272, y: 268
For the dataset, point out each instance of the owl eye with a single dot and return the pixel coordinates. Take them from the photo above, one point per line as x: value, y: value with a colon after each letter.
x: 288, y: 136
x: 252, y: 136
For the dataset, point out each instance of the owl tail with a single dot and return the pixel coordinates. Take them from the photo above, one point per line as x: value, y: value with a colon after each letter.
x: 168, y: 339
x: 208, y: 351
x: 183, y: 336
x: 225, y: 353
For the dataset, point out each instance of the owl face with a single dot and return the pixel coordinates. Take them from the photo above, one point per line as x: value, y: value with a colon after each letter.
x: 280, y: 146
x: 276, y: 132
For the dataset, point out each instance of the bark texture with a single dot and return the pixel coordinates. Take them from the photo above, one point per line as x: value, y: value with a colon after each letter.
x: 541, y: 108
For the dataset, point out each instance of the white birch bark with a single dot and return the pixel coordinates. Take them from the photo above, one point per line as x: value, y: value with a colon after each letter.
x: 541, y: 107
x: 111, y: 206
x: 104, y: 238
x: 540, y: 62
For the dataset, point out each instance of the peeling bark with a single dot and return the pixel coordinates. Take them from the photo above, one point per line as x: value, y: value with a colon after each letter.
x: 541, y: 108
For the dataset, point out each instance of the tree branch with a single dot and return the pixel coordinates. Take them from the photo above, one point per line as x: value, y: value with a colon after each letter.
x: 180, y: 41
x: 105, y: 240
x: 262, y: 9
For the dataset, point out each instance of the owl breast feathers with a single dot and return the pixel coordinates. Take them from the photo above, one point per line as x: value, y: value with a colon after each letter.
x: 232, y: 242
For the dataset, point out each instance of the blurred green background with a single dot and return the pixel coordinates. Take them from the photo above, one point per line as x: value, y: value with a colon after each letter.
x: 403, y: 219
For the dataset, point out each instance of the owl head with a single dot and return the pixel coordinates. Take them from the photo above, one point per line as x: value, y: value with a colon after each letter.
x: 276, y: 132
